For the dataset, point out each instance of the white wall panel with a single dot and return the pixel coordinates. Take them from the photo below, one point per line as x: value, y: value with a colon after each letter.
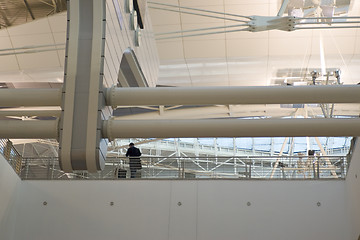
x: 82, y: 210
x: 183, y: 210
x: 210, y: 209
x: 353, y: 192
x: 9, y: 188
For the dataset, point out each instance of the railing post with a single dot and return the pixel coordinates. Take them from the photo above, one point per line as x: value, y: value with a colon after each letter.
x: 342, y: 168
x: 26, y: 168
x: 283, y: 173
x: 250, y: 171
x: 18, y: 160
x: 7, y: 150
x: 48, y: 169
x: 318, y: 168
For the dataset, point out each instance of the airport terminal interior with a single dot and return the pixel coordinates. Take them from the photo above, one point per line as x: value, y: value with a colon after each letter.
x: 246, y: 114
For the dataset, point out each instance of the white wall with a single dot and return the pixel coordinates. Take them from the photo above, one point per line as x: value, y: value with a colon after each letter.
x: 210, y: 209
x: 9, y: 185
x: 353, y: 192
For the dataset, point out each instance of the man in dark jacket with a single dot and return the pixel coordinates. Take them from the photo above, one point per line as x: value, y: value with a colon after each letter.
x: 134, y: 155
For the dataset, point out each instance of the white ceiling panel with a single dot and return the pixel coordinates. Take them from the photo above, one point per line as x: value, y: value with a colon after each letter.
x: 158, y: 17
x: 340, y: 46
x: 191, y: 19
x: 32, y: 40
x: 43, y: 60
x: 289, y: 46
x: 175, y: 81
x: 200, y: 3
x: 59, y: 37
x: 247, y: 47
x: 205, y: 49
x: 5, y: 42
x: 55, y: 75
x: 247, y: 35
x: 171, y: 49
x: 8, y: 63
x: 204, y: 26
x: 210, y: 68
x: 35, y: 27
x: 210, y: 80
x: 166, y: 28
x: 357, y: 46
x: 267, y: 51
x: 250, y: 9
x: 58, y: 22
x: 247, y: 79
x: 247, y: 2
x: 35, y: 57
x: 247, y: 66
x: 294, y: 34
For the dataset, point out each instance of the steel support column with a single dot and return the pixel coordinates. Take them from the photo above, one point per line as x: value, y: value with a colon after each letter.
x: 81, y: 145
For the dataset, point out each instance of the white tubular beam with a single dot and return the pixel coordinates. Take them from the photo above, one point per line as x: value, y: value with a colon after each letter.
x: 232, y: 95
x: 230, y: 128
x: 14, y: 97
x: 29, y: 129
x: 31, y: 111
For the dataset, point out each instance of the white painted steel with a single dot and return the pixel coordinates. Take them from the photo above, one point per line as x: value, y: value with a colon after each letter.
x: 21, y: 112
x: 230, y: 128
x: 193, y: 95
x: 30, y: 97
x: 94, y: 161
x: 68, y: 99
x: 232, y: 95
x: 29, y: 129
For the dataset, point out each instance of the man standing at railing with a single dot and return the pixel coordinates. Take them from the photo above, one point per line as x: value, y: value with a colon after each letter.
x: 134, y: 156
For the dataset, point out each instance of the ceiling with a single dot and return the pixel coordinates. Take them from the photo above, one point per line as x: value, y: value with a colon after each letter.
x: 247, y: 58
x: 32, y: 55
x: 17, y: 12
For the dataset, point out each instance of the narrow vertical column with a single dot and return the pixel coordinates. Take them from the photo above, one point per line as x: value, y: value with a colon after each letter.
x: 80, y: 135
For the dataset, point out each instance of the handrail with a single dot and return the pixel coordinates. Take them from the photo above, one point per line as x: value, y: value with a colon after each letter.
x: 11, y: 155
x: 233, y: 167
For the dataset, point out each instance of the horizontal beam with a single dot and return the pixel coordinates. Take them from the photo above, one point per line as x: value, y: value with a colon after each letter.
x: 192, y: 128
x: 232, y: 95
x: 29, y: 129
x: 193, y: 95
x: 16, y: 97
x: 19, y: 112
x: 230, y: 128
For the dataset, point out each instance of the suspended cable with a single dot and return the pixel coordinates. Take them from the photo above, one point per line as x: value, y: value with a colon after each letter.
x: 329, y: 27
x: 201, y: 10
x: 31, y: 47
x: 202, y: 34
x: 317, y: 18
x: 202, y: 29
x: 33, y: 51
x: 198, y: 14
x: 343, y: 22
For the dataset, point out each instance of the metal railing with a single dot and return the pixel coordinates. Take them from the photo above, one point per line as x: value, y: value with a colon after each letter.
x: 238, y: 167
x: 11, y: 155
